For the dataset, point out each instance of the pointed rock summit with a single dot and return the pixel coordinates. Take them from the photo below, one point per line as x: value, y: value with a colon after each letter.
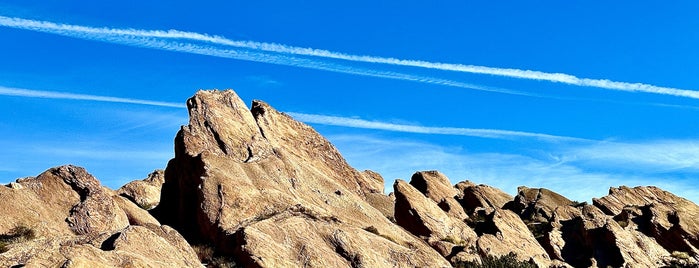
x: 256, y: 188
x: 272, y: 192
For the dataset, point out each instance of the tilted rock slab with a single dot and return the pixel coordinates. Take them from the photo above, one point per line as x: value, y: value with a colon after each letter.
x: 79, y: 223
x: 146, y: 192
x: 238, y: 174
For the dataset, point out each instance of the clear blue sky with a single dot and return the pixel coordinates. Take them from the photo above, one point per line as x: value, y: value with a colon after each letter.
x: 546, y: 112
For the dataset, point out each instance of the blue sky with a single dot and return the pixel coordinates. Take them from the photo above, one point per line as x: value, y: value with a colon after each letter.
x: 571, y: 97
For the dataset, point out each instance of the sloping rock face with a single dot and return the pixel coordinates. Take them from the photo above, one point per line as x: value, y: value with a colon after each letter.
x: 239, y: 174
x: 428, y: 207
x: 75, y: 222
x: 146, y: 192
x: 672, y: 221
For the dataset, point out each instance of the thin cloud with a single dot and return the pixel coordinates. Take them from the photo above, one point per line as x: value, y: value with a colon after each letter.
x: 155, y: 40
x: 308, y: 118
x: 19, y: 92
x: 471, y: 132
x: 658, y: 156
x: 399, y: 158
x: 97, y: 33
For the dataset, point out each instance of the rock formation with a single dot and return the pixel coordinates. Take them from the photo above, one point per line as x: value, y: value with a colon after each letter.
x: 69, y: 220
x: 255, y: 188
x: 272, y: 192
x: 146, y: 192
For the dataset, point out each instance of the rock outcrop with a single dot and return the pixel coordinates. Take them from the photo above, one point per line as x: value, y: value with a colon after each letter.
x: 239, y: 174
x: 256, y: 188
x: 146, y: 192
x: 69, y: 220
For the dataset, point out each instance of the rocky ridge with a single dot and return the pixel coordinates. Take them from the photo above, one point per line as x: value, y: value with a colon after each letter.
x: 259, y: 189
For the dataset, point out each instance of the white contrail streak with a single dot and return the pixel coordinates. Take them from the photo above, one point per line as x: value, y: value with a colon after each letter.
x: 157, y: 40
x: 308, y: 118
x: 471, y: 132
x: 19, y: 92
x: 71, y: 30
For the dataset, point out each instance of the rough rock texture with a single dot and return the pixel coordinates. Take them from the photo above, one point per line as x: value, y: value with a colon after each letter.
x: 538, y: 205
x: 472, y: 196
x: 672, y: 221
x: 420, y: 209
x: 78, y: 223
x: 267, y: 191
x: 436, y: 186
x: 146, y: 192
x: 235, y: 169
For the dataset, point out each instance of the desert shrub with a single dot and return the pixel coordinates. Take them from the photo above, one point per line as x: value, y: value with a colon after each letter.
x: 509, y: 261
x: 578, y: 204
x: 372, y: 230
x: 454, y: 240
x: 680, y: 255
x: 375, y: 231
x: 207, y: 255
x: 19, y: 233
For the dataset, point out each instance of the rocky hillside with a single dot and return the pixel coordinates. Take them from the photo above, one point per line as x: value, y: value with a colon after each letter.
x: 255, y: 188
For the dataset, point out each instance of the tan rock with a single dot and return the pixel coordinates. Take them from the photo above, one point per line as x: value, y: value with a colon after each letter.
x: 234, y: 168
x: 539, y: 204
x: 472, y: 196
x: 509, y: 234
x: 76, y: 222
x: 436, y: 186
x: 146, y: 192
x: 61, y: 201
x: 134, y: 246
x: 670, y: 220
x: 422, y: 217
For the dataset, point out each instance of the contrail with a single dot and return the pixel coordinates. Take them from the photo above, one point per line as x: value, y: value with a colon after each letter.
x: 154, y: 40
x: 471, y: 132
x: 19, y: 92
x: 67, y: 29
x: 307, y: 118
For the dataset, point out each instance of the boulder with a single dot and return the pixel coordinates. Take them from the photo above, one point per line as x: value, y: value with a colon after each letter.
x: 65, y: 218
x: 145, y: 193
x: 472, y: 196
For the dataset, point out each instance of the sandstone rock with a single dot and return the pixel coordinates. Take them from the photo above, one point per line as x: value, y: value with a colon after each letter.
x: 235, y: 168
x: 539, y: 204
x: 472, y: 196
x: 670, y: 220
x: 76, y: 222
x: 146, y: 192
x: 422, y: 217
x: 507, y: 233
x: 437, y: 187
x: 61, y: 201
x: 134, y: 246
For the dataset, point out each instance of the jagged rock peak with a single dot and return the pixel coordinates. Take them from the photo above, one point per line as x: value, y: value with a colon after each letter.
x: 242, y: 178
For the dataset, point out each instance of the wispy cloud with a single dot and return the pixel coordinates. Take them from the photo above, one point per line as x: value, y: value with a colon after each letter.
x: 399, y: 158
x: 160, y: 40
x: 108, y: 34
x: 72, y: 96
x: 656, y: 156
x: 472, y: 132
x: 308, y: 118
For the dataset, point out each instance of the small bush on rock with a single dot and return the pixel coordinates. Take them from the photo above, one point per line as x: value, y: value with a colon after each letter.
x: 20, y: 233
x: 509, y: 261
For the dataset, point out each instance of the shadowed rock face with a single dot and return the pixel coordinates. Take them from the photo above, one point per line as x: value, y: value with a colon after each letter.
x: 146, y: 192
x: 269, y: 191
x: 75, y: 222
x: 238, y: 172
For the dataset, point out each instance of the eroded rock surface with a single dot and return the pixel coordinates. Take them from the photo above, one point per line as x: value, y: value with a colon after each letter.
x: 146, y: 192
x: 234, y: 169
x: 71, y: 220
